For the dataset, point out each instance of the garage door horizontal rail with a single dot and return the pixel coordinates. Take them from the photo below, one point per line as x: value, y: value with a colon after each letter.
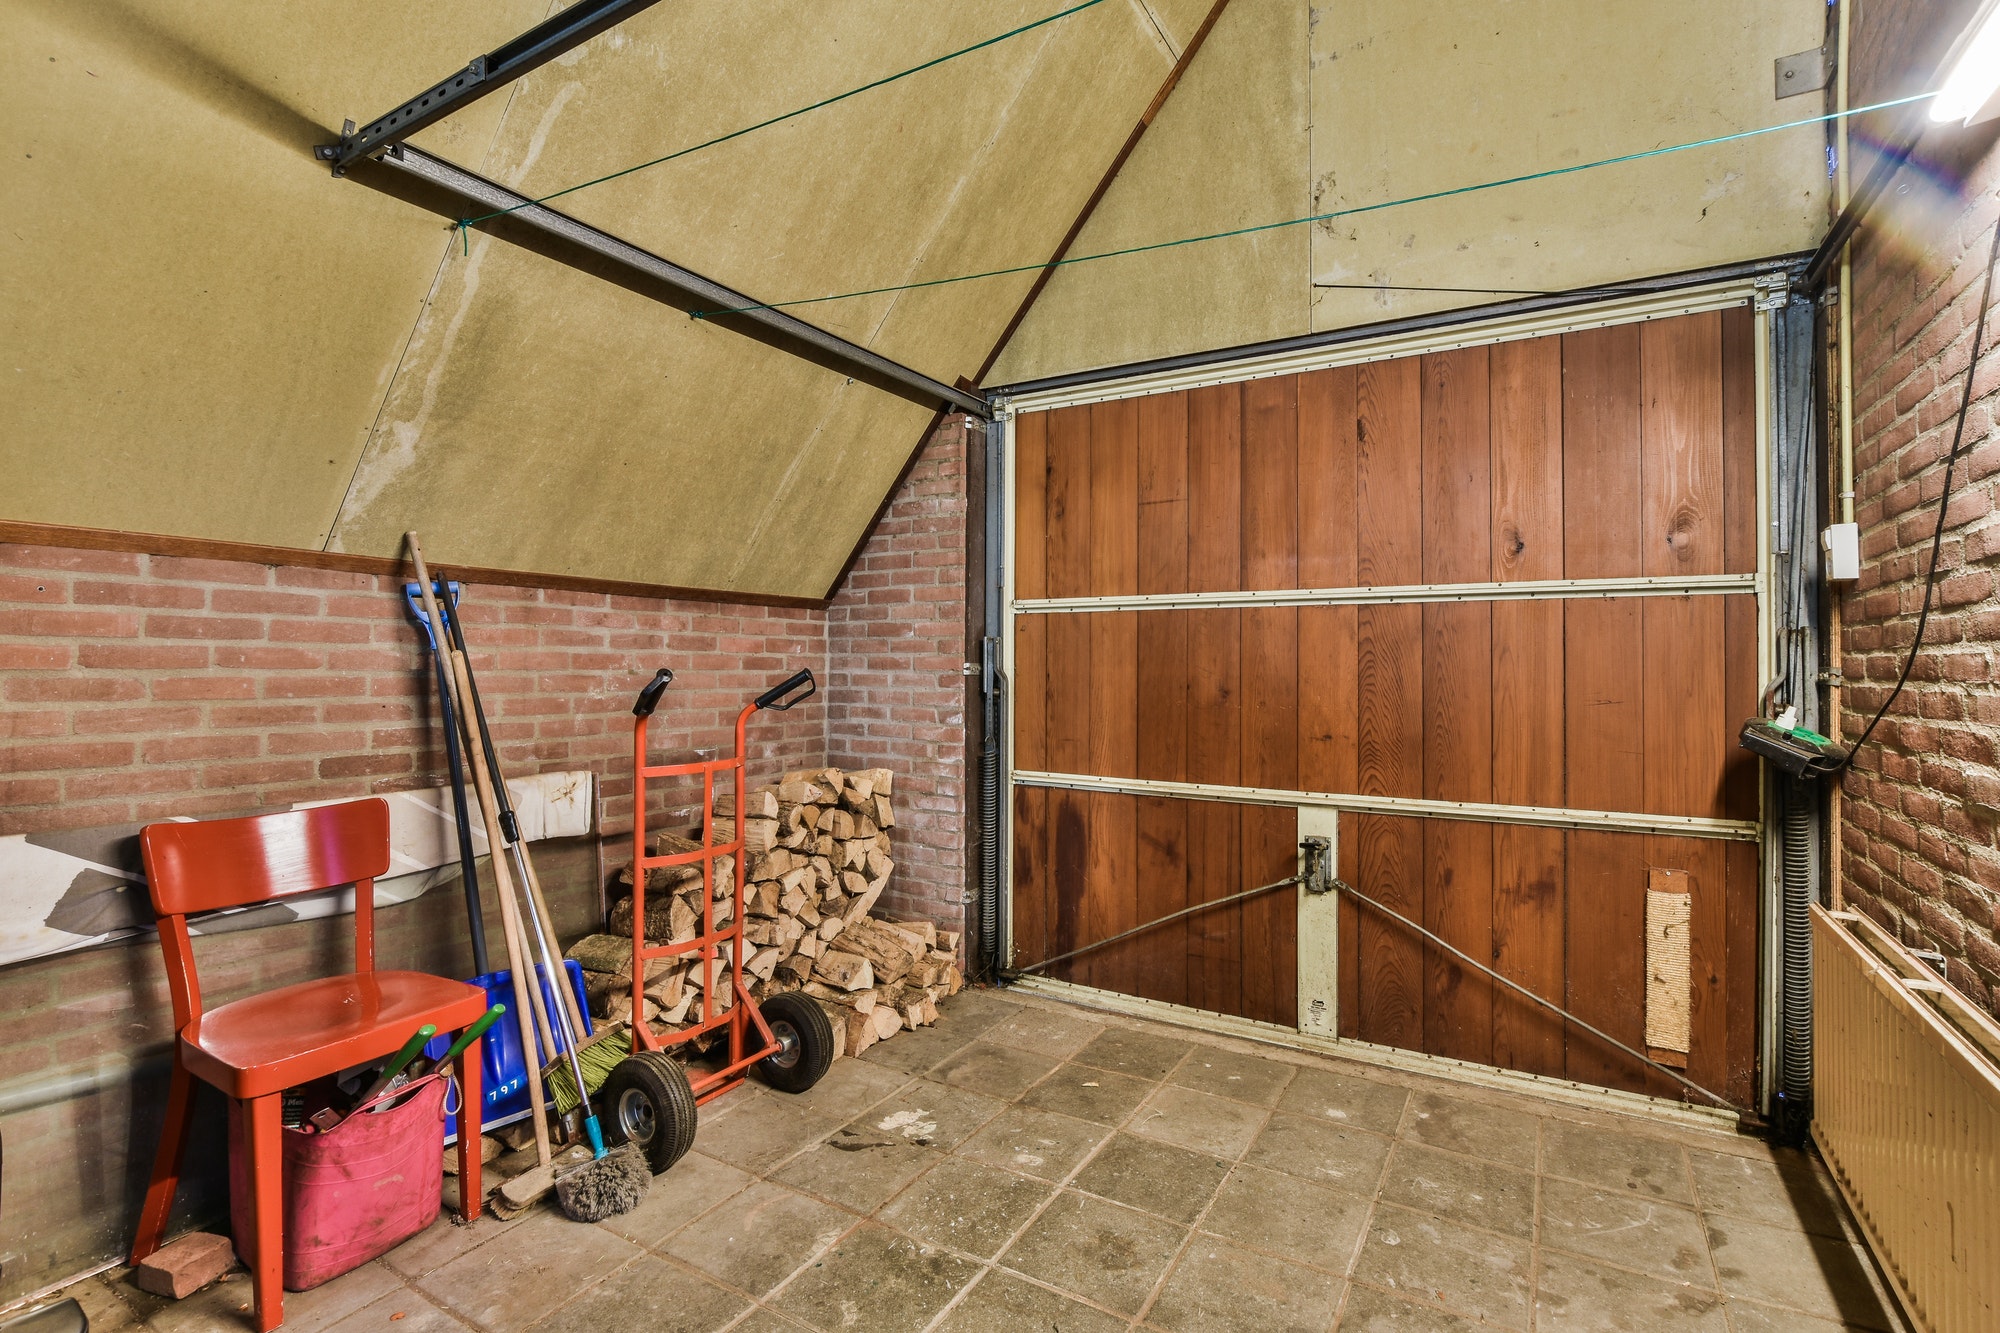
x: 1535, y: 816
x: 1693, y: 585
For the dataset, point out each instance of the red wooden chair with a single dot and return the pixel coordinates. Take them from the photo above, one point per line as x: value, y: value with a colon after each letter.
x: 254, y: 1048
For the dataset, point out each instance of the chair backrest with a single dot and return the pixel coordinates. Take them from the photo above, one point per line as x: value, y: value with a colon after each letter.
x: 218, y: 863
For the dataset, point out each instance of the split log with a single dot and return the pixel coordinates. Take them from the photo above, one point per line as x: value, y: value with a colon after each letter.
x: 861, y: 1033
x: 924, y: 931
x: 885, y: 815
x: 845, y: 971
x: 604, y: 953
x: 888, y: 950
x: 886, y: 1020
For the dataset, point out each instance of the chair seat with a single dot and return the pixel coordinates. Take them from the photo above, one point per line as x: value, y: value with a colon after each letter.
x: 278, y: 1039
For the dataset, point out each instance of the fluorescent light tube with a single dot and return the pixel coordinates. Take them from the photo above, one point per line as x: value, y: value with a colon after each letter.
x: 1970, y: 92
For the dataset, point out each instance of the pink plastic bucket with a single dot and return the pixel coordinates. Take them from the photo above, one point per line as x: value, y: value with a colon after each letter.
x: 355, y: 1192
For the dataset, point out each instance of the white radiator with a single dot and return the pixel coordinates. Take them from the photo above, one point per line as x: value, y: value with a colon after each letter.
x: 1906, y: 1111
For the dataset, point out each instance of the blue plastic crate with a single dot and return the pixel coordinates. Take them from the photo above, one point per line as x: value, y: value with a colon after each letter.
x: 504, y: 1072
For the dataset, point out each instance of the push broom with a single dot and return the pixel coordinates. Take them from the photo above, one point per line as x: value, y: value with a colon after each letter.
x: 610, y: 1183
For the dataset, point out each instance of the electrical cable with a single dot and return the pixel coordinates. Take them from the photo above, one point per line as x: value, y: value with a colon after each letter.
x: 465, y: 223
x: 1357, y: 210
x: 1825, y: 768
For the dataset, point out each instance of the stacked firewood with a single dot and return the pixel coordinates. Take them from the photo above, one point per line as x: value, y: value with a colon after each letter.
x: 817, y: 846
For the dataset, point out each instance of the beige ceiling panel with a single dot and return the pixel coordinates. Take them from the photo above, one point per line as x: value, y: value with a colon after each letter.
x: 200, y: 322
x: 544, y: 419
x: 841, y: 199
x: 1229, y: 149
x: 1525, y: 87
x: 1076, y: 106
x: 1178, y: 20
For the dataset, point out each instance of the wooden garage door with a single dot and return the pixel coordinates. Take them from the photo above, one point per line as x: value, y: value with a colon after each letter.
x: 1623, y: 453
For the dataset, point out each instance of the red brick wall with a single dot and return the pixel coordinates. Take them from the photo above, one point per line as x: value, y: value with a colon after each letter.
x: 1922, y: 803
x: 138, y: 687
x: 896, y: 644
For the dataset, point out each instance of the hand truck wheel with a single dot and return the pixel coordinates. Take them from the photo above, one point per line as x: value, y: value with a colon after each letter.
x: 805, y: 1042
x: 647, y: 1101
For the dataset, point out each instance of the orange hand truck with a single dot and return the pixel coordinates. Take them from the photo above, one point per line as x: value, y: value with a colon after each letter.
x: 649, y: 1098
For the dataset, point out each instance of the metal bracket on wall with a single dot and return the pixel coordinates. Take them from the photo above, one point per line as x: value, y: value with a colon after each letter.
x: 449, y: 190
x: 1802, y: 72
x: 1774, y: 290
x: 491, y: 72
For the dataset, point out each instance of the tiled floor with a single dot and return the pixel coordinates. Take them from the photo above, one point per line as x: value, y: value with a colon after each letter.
x: 1026, y: 1165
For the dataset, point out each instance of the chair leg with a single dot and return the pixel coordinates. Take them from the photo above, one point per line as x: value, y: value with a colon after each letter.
x: 264, y: 1141
x: 471, y: 1110
x: 166, y: 1162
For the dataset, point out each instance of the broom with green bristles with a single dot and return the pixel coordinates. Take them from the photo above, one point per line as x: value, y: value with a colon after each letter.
x: 596, y: 1057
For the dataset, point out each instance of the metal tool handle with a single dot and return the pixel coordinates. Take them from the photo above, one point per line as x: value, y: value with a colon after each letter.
x: 649, y: 698
x: 769, y: 698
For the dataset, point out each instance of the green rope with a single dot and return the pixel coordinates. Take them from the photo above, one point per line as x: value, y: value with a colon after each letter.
x: 464, y: 223
x: 1323, y: 217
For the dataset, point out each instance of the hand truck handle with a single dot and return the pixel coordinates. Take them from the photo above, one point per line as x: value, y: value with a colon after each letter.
x: 649, y: 698
x: 769, y: 698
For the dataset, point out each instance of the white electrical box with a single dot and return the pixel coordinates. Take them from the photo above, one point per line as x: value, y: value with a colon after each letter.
x: 1843, y: 551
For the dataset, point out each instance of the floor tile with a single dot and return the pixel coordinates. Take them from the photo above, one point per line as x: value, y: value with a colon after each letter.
x: 1146, y: 1055
x: 876, y: 1280
x: 690, y: 1188
x: 444, y: 1240
x: 1231, y: 1290
x: 931, y: 1114
x: 1157, y: 1177
x: 1039, y: 1143
x: 1003, y: 1303
x: 1628, y: 1229
x: 1095, y: 1249
x: 996, y: 1071
x: 1478, y: 1129
x: 759, y: 1237
x: 1752, y: 1317
x: 401, y: 1312
x: 1045, y: 1033
x: 546, y: 1259
x: 1463, y: 1189
x: 1256, y: 1079
x: 961, y: 1204
x: 850, y: 1087
x: 1814, y: 1274
x: 760, y: 1320
x: 758, y: 1136
x: 648, y: 1294
x: 1612, y: 1160
x: 1290, y: 1217
x: 1473, y: 1272
x: 914, y: 1052
x: 225, y: 1304
x: 1574, y: 1295
x: 977, y: 1008
x: 1088, y: 1094
x: 1370, y: 1311
x: 1788, y: 1190
x: 856, y: 1169
x: 1196, y: 1120
x: 103, y: 1304
x: 1351, y: 1159
x: 1346, y: 1099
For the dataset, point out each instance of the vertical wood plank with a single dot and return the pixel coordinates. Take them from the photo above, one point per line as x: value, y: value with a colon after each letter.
x: 1741, y: 878
x: 1389, y: 696
x: 1031, y: 927
x: 1529, y: 902
x: 1111, y: 904
x: 1328, y: 742
x: 1163, y: 693
x: 1068, y: 726
x: 1604, y: 947
x: 1215, y: 693
x: 1458, y: 699
x: 1741, y: 774
x: 1270, y: 673
x: 1031, y: 682
x: 1687, y: 736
